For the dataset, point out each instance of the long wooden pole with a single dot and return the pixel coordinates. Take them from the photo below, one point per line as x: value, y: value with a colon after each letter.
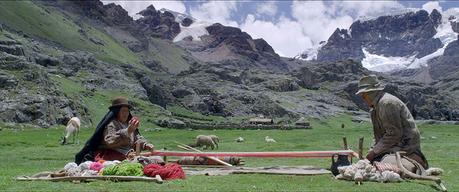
x: 156, y: 179
x: 278, y: 154
x: 186, y: 147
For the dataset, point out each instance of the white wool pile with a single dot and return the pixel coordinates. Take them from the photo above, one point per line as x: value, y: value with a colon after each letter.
x: 83, y: 169
x: 364, y: 171
x: 72, y: 169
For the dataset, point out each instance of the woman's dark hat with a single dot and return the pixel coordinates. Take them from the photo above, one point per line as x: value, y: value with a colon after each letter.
x: 120, y: 101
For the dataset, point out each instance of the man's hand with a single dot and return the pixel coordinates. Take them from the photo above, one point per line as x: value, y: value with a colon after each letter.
x: 371, y: 155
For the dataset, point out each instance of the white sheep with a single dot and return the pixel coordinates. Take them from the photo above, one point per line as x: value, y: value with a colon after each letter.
x: 215, y: 139
x: 269, y: 140
x: 73, y: 128
x: 239, y: 139
x: 206, y: 141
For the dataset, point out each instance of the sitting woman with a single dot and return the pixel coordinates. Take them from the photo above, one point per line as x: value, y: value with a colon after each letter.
x: 115, y: 136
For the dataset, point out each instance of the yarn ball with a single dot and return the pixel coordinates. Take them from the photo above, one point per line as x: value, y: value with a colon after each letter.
x: 72, y: 169
x: 96, y: 166
x: 124, y: 169
x: 70, y: 166
x: 85, y: 165
x: 169, y: 171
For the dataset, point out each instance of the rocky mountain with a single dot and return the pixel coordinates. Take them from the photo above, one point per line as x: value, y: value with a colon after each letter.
x: 408, y: 34
x: 392, y: 43
x: 69, y: 58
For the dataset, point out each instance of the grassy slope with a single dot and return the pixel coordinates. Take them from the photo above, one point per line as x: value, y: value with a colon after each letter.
x: 54, y: 26
x: 168, y: 55
x: 34, y: 150
x: 99, y: 101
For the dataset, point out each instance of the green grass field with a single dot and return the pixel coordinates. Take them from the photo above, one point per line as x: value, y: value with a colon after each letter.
x: 28, y: 151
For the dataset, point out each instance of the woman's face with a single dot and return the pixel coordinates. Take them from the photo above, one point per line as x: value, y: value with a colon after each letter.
x: 123, y: 114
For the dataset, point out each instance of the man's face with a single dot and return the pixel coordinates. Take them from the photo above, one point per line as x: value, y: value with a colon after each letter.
x: 366, y: 98
x: 123, y: 114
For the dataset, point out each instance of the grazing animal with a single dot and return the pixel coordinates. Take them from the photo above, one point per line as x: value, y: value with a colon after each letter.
x: 215, y: 139
x: 269, y: 140
x: 206, y: 141
x: 239, y: 139
x: 73, y: 128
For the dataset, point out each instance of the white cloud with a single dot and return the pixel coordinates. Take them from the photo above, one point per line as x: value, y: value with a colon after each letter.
x: 268, y: 8
x: 216, y: 12
x: 317, y: 19
x: 320, y: 19
x: 358, y: 9
x: 431, y: 5
x: 133, y: 7
x: 285, y: 36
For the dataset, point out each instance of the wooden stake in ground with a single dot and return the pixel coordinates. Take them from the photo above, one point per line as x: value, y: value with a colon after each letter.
x: 186, y: 147
x: 345, y: 143
x: 361, y: 148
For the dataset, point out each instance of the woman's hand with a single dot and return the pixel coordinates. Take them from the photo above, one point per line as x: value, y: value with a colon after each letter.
x: 134, y: 124
x: 149, y: 147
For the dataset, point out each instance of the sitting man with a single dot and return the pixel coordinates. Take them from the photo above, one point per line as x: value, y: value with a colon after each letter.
x: 115, y: 136
x: 393, y: 126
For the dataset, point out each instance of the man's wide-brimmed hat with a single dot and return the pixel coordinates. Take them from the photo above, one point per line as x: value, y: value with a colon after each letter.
x: 120, y: 101
x: 369, y: 83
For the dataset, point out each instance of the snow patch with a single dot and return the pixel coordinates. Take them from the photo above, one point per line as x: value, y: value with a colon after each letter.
x: 195, y: 30
x: 446, y: 35
x: 380, y: 63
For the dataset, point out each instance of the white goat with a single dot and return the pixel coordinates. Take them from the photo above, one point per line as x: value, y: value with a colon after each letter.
x: 269, y: 140
x: 73, y: 128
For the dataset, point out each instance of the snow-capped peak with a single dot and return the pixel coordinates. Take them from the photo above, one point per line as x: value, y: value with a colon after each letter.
x: 444, y: 33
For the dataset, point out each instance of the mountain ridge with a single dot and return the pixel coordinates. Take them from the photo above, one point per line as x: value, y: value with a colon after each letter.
x: 50, y: 76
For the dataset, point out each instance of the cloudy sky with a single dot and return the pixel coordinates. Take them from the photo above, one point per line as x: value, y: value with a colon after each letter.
x: 290, y: 27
